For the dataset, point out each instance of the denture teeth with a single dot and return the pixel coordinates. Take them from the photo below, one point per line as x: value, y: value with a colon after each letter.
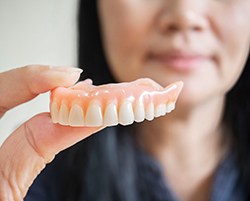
x: 63, y: 115
x: 160, y: 110
x: 170, y: 107
x: 54, y: 112
x: 149, y: 115
x: 76, y: 117
x: 110, y: 115
x: 126, y: 114
x: 139, y: 111
x: 94, y: 115
x: 75, y: 106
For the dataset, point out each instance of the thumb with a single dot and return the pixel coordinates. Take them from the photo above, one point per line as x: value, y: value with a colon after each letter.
x: 47, y: 138
x: 26, y: 152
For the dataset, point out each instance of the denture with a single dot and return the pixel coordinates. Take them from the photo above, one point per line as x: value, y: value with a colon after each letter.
x: 85, y: 104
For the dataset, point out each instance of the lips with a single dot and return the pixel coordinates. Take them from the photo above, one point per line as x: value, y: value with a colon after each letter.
x: 179, y: 60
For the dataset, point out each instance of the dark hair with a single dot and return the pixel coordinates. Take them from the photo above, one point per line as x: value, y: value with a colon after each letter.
x: 102, y: 167
x: 237, y: 118
x: 106, y: 161
x: 91, y: 56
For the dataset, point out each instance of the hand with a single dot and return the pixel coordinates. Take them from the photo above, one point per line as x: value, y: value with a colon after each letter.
x: 35, y: 143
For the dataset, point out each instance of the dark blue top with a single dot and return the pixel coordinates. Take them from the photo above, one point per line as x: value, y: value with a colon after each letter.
x: 226, y: 184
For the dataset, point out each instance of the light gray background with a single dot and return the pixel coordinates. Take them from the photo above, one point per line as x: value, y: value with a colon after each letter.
x: 35, y: 32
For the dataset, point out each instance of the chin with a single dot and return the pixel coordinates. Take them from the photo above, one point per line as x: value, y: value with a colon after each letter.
x: 193, y: 96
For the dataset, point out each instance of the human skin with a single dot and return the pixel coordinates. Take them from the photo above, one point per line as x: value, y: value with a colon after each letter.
x: 36, y: 142
x: 203, y: 43
x: 138, y: 28
x: 173, y: 40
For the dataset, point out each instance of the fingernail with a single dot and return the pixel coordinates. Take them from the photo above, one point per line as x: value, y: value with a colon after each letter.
x: 66, y: 69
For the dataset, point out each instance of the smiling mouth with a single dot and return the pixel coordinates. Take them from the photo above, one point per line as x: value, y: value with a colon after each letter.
x: 179, y: 61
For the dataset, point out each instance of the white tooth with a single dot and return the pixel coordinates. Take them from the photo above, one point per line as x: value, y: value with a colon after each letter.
x: 94, y: 115
x: 126, y: 114
x: 170, y: 107
x: 76, y: 116
x: 139, y: 112
x: 110, y: 115
x: 54, y: 112
x: 160, y: 110
x: 150, y: 112
x: 63, y: 117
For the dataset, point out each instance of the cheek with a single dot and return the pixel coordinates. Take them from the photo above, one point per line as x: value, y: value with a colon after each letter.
x: 234, y: 43
x: 126, y: 32
x: 124, y: 51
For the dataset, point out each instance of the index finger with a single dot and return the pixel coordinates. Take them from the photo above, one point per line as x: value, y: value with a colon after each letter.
x: 23, y: 84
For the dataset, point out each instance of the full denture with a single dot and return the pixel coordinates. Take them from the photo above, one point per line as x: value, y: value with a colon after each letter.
x: 107, y: 105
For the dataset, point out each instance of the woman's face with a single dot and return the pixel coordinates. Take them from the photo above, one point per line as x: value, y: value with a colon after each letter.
x: 204, y: 43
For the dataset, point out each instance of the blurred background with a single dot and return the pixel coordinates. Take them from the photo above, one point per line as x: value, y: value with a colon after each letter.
x: 35, y: 32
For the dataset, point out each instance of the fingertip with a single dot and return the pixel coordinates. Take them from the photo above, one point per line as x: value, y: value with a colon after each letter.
x: 66, y: 69
x: 64, y: 76
x: 45, y: 78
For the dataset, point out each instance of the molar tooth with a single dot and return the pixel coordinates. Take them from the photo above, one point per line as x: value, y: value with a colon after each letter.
x: 139, y: 111
x: 54, y: 112
x: 94, y: 115
x: 76, y: 116
x: 126, y: 114
x: 63, y: 117
x: 150, y: 112
x: 110, y: 115
x: 160, y: 110
x: 170, y: 107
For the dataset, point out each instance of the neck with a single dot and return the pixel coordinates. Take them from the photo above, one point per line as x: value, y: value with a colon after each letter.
x: 187, y: 141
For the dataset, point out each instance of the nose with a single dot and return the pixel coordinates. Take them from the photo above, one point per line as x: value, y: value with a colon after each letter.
x: 183, y: 15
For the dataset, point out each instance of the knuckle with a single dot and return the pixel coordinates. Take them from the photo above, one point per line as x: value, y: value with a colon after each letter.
x: 3, y: 110
x: 30, y: 137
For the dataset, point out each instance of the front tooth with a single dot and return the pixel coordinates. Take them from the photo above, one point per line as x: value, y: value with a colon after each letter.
x: 139, y: 112
x: 76, y: 116
x: 170, y: 107
x: 126, y: 114
x: 160, y: 110
x: 110, y: 115
x: 54, y: 112
x: 94, y: 115
x: 63, y: 117
x: 150, y: 112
